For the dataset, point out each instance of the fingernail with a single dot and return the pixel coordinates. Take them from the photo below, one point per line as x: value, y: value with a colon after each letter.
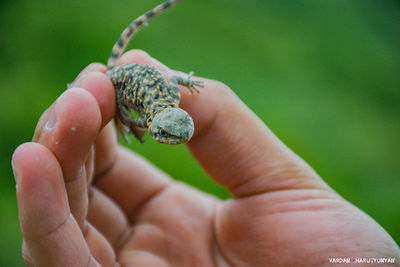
x: 52, y: 119
x: 78, y: 81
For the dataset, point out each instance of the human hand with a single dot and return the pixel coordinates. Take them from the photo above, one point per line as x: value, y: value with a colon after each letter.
x: 83, y: 200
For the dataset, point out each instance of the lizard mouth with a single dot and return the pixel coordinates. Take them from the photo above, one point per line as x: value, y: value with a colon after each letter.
x: 172, y: 126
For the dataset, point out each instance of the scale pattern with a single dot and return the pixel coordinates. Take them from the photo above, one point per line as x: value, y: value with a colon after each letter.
x: 143, y: 89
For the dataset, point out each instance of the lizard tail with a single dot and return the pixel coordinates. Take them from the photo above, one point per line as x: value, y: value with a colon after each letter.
x: 127, y: 34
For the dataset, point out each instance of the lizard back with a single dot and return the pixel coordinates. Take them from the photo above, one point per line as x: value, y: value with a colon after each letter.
x: 143, y: 89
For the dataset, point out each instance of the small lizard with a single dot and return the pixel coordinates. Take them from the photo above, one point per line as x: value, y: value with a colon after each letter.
x: 143, y: 88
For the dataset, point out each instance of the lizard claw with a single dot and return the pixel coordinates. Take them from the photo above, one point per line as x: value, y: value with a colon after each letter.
x: 193, y: 84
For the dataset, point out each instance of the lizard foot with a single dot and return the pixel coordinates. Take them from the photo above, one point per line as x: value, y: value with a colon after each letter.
x: 191, y: 84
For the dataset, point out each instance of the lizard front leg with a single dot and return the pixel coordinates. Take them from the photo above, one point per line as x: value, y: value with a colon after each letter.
x: 137, y: 125
x: 187, y: 82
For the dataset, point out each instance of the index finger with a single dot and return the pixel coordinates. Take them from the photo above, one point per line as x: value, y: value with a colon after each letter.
x: 233, y: 145
x: 238, y: 150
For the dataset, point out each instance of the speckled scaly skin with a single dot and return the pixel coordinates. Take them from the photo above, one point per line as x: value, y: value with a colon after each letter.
x: 143, y: 88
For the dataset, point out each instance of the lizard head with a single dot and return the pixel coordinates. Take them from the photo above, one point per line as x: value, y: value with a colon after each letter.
x: 172, y: 126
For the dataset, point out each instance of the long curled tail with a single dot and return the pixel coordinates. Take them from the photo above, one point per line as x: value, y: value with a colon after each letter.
x: 127, y: 34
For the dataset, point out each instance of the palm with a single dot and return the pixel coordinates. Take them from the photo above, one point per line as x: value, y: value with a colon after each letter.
x: 182, y: 226
x: 179, y: 226
x: 175, y: 227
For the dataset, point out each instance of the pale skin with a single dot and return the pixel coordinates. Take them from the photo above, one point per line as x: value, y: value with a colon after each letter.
x: 84, y: 200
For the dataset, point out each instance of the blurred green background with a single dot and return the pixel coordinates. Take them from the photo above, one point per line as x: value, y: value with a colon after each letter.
x: 323, y: 75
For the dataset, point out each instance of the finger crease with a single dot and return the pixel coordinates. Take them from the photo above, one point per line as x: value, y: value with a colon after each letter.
x: 106, y: 170
x: 146, y: 200
x: 123, y: 237
x: 56, y: 229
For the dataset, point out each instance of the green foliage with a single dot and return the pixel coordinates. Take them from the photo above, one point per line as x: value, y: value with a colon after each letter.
x: 323, y: 75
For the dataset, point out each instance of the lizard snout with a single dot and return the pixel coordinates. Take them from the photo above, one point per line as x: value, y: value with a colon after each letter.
x: 172, y: 126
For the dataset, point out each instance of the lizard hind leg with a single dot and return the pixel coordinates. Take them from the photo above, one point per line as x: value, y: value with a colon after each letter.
x: 121, y: 128
x: 138, y: 132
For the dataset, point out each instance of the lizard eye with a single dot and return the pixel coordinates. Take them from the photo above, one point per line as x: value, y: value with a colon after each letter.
x: 163, y: 133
